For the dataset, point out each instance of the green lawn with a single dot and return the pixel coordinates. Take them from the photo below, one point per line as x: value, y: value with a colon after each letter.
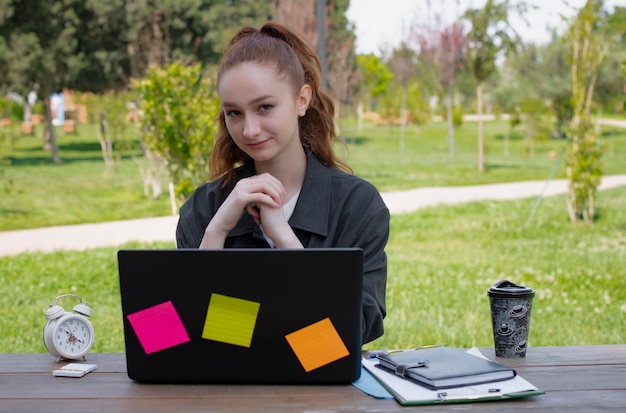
x: 441, y: 259
x: 36, y: 193
x: 375, y: 155
x: 441, y: 262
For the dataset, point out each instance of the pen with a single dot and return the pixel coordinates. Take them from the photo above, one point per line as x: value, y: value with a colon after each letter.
x: 445, y: 396
x: 375, y: 354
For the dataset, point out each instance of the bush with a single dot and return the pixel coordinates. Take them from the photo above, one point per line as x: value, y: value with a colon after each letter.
x: 10, y: 109
x: 179, y: 119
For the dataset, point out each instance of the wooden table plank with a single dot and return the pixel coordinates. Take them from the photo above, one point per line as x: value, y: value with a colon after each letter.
x: 45, y: 363
x: 537, y: 356
x: 117, y: 385
x: 587, y: 401
x: 586, y: 378
x: 555, y: 356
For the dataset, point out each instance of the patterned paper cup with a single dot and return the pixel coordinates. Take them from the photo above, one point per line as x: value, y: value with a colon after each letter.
x: 510, y: 315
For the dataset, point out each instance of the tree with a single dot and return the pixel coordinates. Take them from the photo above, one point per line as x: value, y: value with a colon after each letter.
x: 341, y: 70
x: 120, y: 39
x: 609, y: 90
x: 6, y: 14
x: 102, y: 41
x: 299, y: 15
x: 39, y: 39
x: 558, y: 86
x: 160, y: 32
x: 109, y: 111
x: 402, y: 63
x: 524, y: 88
x: 442, y: 49
x: 589, y: 46
x: 178, y: 124
x: 375, y: 77
x: 490, y: 34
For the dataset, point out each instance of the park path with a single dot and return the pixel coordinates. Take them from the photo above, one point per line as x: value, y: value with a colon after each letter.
x: 109, y: 234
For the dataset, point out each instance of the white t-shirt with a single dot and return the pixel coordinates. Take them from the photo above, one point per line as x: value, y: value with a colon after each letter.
x: 288, y: 209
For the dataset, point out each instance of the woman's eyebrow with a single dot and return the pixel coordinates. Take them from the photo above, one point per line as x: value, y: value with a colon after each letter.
x: 252, y: 102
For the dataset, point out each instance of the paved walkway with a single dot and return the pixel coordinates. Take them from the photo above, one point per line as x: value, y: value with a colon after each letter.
x: 107, y: 234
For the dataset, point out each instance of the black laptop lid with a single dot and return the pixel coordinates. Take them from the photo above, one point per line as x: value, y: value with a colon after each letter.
x: 242, y: 315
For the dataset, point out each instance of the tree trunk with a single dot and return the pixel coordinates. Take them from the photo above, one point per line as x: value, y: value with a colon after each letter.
x: 403, y: 117
x: 506, y: 141
x: 479, y: 99
x: 337, y: 122
x: 450, y: 121
x: 133, y: 60
x: 300, y: 14
x: 359, y: 114
x: 173, y: 206
x: 106, y: 143
x: 50, y: 142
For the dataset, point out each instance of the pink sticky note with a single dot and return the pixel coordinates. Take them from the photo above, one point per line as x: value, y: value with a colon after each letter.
x: 158, y: 327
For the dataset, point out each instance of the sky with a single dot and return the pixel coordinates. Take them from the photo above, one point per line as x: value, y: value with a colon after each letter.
x: 384, y: 23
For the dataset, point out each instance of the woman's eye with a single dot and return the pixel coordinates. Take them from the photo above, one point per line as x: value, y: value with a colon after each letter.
x: 265, y: 108
x: 232, y: 113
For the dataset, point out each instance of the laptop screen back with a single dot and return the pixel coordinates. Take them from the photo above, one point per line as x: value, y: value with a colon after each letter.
x: 242, y: 315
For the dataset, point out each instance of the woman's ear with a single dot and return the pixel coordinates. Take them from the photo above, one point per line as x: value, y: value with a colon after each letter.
x: 304, y: 99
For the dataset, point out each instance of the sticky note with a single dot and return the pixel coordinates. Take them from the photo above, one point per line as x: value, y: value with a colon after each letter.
x: 230, y: 320
x: 317, y: 345
x: 158, y: 327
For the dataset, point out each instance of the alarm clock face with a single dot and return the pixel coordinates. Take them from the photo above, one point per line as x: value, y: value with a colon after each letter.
x: 72, y: 336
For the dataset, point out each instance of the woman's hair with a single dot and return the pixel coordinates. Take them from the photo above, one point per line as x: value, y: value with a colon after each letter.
x: 294, y: 59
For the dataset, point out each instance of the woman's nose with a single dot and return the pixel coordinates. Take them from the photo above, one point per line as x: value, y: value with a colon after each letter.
x: 251, y: 127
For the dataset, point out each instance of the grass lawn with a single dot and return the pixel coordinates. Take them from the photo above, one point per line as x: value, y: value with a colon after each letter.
x: 375, y: 155
x: 37, y: 193
x: 441, y: 262
x: 441, y: 259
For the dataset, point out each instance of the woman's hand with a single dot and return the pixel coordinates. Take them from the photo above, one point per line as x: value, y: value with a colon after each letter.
x: 276, y: 227
x: 255, y: 194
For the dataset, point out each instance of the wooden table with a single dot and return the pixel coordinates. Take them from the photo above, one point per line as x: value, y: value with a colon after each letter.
x: 580, y: 379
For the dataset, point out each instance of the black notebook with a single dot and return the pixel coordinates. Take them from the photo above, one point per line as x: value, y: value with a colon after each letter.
x: 444, y: 367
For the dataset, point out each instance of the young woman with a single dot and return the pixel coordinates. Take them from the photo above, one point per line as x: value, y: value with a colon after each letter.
x: 277, y: 181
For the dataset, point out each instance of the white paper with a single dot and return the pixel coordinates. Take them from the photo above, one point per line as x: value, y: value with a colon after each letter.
x: 74, y: 370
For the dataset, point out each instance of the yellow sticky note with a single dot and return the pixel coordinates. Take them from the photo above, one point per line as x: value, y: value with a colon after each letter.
x: 317, y: 345
x: 230, y: 320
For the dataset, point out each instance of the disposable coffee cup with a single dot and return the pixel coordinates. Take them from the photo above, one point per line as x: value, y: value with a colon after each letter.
x: 510, y: 315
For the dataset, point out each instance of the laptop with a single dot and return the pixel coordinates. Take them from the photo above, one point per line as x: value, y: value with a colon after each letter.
x: 263, y: 316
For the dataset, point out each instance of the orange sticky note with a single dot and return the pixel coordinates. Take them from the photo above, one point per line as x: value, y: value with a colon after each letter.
x: 317, y: 345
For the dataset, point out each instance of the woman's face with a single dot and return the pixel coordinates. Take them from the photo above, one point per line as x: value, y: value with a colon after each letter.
x: 262, y: 111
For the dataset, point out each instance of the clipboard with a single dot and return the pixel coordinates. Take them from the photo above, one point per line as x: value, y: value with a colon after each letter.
x: 409, y: 393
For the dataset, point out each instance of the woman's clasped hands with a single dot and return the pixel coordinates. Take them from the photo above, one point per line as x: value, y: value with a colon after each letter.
x: 262, y: 196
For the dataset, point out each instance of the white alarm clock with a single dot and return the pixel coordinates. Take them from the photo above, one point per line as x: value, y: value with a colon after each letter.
x: 68, y: 335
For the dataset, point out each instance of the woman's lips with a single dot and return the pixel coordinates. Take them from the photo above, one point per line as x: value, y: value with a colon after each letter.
x: 258, y: 144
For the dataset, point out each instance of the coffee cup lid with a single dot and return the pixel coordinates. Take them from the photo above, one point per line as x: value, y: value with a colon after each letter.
x: 506, y: 288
